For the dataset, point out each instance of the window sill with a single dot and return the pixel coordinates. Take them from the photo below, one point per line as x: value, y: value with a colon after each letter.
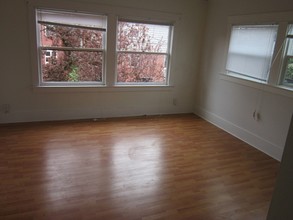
x: 102, y: 88
x: 258, y: 84
x: 246, y: 78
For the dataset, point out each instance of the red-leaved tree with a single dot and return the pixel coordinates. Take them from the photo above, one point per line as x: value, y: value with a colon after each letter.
x: 138, y: 67
x: 71, y: 65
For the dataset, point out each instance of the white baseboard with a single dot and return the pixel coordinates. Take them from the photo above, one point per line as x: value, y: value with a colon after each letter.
x: 256, y: 141
x: 76, y: 114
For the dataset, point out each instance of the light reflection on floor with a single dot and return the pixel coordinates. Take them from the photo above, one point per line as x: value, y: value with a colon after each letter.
x: 140, y: 170
x: 131, y: 163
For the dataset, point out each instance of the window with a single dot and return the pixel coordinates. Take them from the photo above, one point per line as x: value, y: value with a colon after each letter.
x: 251, y: 50
x: 287, y: 71
x: 71, y: 47
x: 90, y: 46
x: 260, y: 52
x: 143, y: 53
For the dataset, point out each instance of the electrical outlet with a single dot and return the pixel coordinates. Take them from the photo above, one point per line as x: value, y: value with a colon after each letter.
x: 256, y: 116
x: 5, y: 108
x: 174, y: 101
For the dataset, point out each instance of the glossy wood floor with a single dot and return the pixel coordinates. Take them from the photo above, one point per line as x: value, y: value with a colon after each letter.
x: 169, y: 167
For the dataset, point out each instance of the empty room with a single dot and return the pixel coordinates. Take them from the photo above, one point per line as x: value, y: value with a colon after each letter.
x: 158, y: 109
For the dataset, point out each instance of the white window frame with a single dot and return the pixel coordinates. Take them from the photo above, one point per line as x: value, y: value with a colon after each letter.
x: 273, y: 83
x: 285, y: 58
x: 54, y: 48
x: 167, y: 53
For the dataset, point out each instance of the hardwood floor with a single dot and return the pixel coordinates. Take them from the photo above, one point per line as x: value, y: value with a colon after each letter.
x: 169, y: 167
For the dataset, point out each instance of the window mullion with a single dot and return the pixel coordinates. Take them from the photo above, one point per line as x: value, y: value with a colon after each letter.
x: 111, y: 50
x: 72, y: 49
x: 71, y: 25
x: 141, y: 52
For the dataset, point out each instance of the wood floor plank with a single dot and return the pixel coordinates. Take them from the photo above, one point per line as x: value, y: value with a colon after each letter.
x: 167, y: 167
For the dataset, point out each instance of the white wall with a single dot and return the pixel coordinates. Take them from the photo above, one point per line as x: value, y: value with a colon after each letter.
x: 28, y: 104
x: 230, y: 105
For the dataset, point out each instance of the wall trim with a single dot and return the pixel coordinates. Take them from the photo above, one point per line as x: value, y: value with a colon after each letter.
x: 255, y: 141
x: 81, y: 114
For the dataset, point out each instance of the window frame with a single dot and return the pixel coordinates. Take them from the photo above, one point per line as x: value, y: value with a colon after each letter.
x: 167, y: 53
x: 286, y: 57
x: 40, y: 48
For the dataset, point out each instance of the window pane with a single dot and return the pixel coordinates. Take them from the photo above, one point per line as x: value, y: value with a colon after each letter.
x: 287, y: 71
x: 142, y: 37
x: 288, y: 78
x: 81, y: 34
x: 251, y: 50
x: 71, y: 66
x: 134, y: 67
x: 64, y: 36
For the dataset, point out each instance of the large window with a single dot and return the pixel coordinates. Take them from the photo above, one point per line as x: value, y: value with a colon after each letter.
x: 287, y: 72
x: 80, y: 45
x: 143, y: 53
x: 251, y: 50
x: 71, y: 47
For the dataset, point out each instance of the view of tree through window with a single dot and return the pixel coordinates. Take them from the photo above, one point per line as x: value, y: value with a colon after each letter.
x: 71, y: 65
x: 71, y: 48
x: 289, y: 71
x: 142, y: 52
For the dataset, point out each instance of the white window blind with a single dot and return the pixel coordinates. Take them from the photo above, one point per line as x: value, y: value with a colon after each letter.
x: 251, y: 50
x: 72, y: 19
